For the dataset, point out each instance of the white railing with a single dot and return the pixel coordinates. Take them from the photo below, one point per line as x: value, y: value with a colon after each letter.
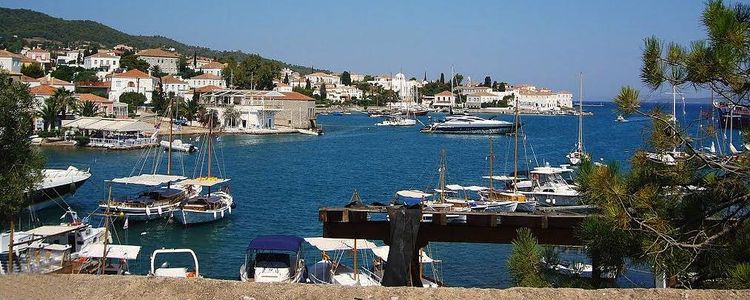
x: 118, y: 143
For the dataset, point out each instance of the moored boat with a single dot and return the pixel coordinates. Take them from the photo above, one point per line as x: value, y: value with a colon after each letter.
x: 159, y: 199
x: 274, y: 258
x: 178, y: 145
x: 205, y: 208
x: 56, y: 183
x: 468, y: 124
x: 165, y: 270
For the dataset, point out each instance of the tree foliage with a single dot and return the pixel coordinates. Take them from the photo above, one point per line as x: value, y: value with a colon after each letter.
x: 346, y: 78
x: 131, y: 62
x: 21, y: 162
x: 688, y: 218
x: 88, y: 109
x: 253, y: 72
x: 133, y: 100
x: 74, y: 74
x: 525, y: 260
x: 32, y: 70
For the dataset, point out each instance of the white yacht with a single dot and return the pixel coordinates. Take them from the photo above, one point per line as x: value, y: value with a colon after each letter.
x: 204, y: 208
x: 468, y: 124
x: 397, y: 121
x: 381, y: 253
x: 274, y: 258
x: 549, y: 187
x: 56, y: 183
x: 578, y: 154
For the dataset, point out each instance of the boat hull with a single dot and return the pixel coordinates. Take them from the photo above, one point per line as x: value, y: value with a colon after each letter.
x: 140, y: 214
x: 41, y: 199
x: 545, y: 199
x: 469, y: 130
x: 189, y: 216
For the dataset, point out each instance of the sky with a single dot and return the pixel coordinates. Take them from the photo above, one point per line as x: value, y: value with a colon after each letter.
x: 546, y: 43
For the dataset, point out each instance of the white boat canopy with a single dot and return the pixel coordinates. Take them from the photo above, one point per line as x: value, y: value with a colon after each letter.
x: 475, y: 188
x: 52, y: 230
x: 502, y: 177
x: 204, y: 181
x: 149, y: 179
x: 127, y: 252
x: 382, y: 253
x: 332, y: 244
x: 455, y: 187
x: 413, y: 194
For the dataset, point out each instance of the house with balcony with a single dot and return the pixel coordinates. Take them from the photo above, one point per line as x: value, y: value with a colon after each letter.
x: 131, y: 81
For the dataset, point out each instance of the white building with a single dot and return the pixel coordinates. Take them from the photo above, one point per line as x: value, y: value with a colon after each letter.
x: 166, y: 60
x: 214, y: 68
x: 10, y: 62
x: 38, y: 55
x: 172, y: 84
x: 406, y: 89
x: 465, y: 90
x: 319, y: 78
x: 206, y: 79
x: 357, y: 77
x: 68, y: 58
x: 544, y: 100
x: 444, y: 99
x: 102, y: 61
x: 341, y: 93
x: 260, y: 109
x: 131, y: 81
x: 281, y: 87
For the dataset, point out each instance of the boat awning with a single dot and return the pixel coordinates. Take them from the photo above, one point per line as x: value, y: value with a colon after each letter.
x: 382, y: 253
x: 149, y: 179
x: 52, y: 230
x: 204, y: 181
x: 127, y: 252
x: 413, y: 194
x: 502, y: 178
x: 276, y: 242
x: 475, y: 188
x: 332, y: 244
x: 455, y: 187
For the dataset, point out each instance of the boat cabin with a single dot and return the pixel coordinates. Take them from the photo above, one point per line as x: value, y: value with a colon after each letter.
x: 274, y: 258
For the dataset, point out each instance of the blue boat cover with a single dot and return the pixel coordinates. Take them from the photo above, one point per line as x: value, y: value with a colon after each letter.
x: 276, y: 242
x: 410, y: 201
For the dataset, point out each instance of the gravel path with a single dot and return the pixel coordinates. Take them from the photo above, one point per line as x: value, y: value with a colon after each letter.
x: 140, y: 287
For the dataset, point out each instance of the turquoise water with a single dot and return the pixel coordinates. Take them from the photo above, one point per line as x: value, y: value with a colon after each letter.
x: 279, y: 182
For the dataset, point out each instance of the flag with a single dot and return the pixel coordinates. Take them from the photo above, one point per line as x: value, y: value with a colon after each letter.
x: 125, y: 226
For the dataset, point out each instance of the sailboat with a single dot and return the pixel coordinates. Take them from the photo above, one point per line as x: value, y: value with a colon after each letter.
x: 211, y: 206
x: 579, y: 154
x: 398, y: 120
x: 669, y: 158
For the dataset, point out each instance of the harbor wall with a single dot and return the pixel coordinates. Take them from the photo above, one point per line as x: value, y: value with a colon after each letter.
x: 141, y: 287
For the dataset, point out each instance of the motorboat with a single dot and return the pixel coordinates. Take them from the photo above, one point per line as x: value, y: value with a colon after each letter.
x: 468, y: 124
x: 50, y: 248
x: 205, y: 208
x: 158, y: 200
x: 274, y: 258
x: 116, y: 259
x: 56, y: 183
x: 549, y: 187
x: 397, y: 121
x: 165, y: 270
x: 332, y: 269
x: 621, y: 119
x: 178, y: 145
x: 311, y: 131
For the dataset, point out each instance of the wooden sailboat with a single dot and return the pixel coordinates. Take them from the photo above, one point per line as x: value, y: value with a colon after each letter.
x: 579, y: 154
x: 206, y: 207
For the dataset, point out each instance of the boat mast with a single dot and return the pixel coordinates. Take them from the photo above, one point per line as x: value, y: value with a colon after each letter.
x: 356, y: 270
x: 442, y: 175
x: 580, y: 114
x: 169, y: 149
x: 106, y: 231
x: 210, y: 128
x: 492, y: 161
x: 515, y: 149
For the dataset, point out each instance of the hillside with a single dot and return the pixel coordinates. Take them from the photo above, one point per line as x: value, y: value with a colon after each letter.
x: 26, y: 23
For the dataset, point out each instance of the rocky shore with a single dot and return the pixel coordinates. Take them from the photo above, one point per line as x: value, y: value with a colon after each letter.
x: 141, y: 287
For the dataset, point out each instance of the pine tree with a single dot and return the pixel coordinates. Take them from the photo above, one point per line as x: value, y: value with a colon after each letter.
x: 442, y: 78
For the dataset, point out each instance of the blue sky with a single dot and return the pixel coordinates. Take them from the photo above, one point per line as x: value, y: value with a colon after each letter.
x: 542, y: 42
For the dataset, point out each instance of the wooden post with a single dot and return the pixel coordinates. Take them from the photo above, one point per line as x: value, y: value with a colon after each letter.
x: 10, y: 247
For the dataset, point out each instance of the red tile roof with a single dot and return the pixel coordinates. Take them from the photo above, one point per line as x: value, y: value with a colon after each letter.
x: 207, y: 88
x: 208, y: 76
x: 4, y: 53
x: 53, y: 81
x: 157, y: 53
x: 212, y: 65
x: 292, y: 96
x: 102, y: 54
x: 135, y: 73
x: 94, y: 84
x: 444, y: 93
x: 45, y: 90
x: 92, y: 98
x: 169, y: 79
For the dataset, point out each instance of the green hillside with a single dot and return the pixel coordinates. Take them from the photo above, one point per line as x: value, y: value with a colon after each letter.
x: 26, y: 23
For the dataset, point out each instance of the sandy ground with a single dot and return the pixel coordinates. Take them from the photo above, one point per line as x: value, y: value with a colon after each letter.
x: 140, y: 287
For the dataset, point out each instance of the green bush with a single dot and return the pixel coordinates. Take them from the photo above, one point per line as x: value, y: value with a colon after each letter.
x: 49, y: 134
x: 82, y: 141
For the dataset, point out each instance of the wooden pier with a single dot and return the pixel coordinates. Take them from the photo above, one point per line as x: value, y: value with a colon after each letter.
x: 551, y: 228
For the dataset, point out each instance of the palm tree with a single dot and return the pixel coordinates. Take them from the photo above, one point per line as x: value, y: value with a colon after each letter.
x: 65, y: 101
x: 48, y: 112
x: 88, y: 109
x: 231, y: 115
x: 204, y: 116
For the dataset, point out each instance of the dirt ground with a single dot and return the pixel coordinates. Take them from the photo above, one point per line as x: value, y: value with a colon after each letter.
x: 141, y: 287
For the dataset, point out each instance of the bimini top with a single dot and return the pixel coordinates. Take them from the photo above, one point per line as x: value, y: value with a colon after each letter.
x: 204, y: 181
x: 413, y: 194
x: 382, y: 253
x: 276, y: 242
x: 149, y: 179
x: 127, y: 252
x: 333, y: 244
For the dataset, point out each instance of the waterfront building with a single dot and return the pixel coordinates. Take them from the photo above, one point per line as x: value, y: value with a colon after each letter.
x: 214, y: 68
x: 281, y: 87
x: 466, y: 90
x: 406, y: 89
x: 106, y: 107
x: 532, y: 99
x: 476, y: 99
x: 112, y: 133
x: 102, y: 61
x: 261, y: 109
x: 319, y: 78
x: 206, y: 79
x: 40, y: 94
x: 444, y: 99
x: 38, y: 55
x: 10, y: 62
x: 172, y: 84
x: 357, y: 77
x: 166, y: 60
x: 131, y: 81
x: 341, y: 93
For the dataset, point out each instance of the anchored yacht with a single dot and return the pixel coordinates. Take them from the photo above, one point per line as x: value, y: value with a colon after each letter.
x: 468, y: 124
